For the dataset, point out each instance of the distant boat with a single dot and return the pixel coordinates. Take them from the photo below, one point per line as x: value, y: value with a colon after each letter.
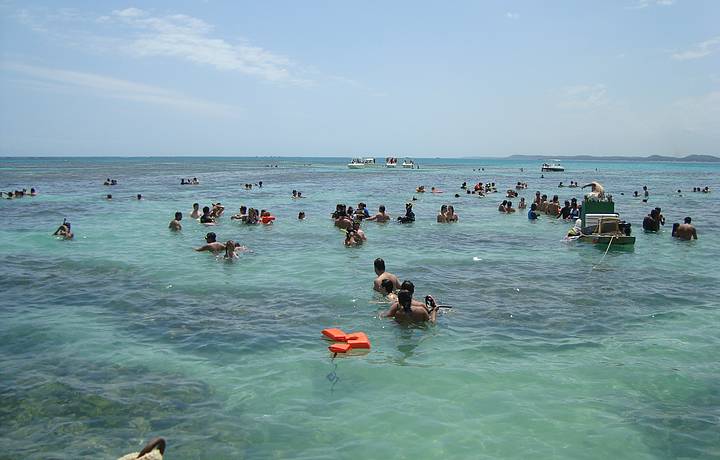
x: 408, y: 163
x: 391, y: 162
x: 361, y: 163
x: 552, y: 167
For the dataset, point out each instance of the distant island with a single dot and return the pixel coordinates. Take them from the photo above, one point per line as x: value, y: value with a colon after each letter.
x: 688, y: 158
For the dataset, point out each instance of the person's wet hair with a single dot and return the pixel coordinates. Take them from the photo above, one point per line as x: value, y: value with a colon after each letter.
x: 387, y: 285
x: 405, y: 300
x: 211, y: 236
x: 379, y: 264
x: 206, y: 209
x: 382, y: 208
x: 196, y: 205
x: 687, y: 220
x: 408, y: 286
x: 178, y: 215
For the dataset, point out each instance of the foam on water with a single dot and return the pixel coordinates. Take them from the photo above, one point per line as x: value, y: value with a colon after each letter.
x: 126, y: 333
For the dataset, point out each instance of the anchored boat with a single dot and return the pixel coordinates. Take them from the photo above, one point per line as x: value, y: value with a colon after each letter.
x: 552, y: 167
x: 391, y: 162
x: 361, y: 163
x: 602, y: 225
x: 408, y: 164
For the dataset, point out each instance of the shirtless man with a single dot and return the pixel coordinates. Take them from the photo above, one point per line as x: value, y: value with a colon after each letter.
x: 195, y: 214
x: 404, y: 311
x: 686, y: 231
x: 381, y: 216
x: 553, y: 208
x: 175, y: 223
x: 211, y: 244
x: 383, y: 275
x: 450, y: 216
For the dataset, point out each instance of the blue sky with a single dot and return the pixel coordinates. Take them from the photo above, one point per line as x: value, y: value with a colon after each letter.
x: 342, y: 78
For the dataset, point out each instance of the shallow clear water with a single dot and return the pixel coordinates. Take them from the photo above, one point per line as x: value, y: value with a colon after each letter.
x: 126, y: 333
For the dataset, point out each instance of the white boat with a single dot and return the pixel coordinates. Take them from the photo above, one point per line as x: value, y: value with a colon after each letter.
x: 408, y: 163
x: 552, y: 167
x: 391, y: 162
x: 360, y: 163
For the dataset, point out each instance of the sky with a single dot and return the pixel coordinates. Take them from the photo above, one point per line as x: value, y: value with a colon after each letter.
x: 360, y: 78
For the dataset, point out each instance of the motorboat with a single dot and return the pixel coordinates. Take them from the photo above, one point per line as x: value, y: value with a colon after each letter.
x: 552, y: 167
x: 408, y: 163
x: 361, y: 163
x: 391, y: 162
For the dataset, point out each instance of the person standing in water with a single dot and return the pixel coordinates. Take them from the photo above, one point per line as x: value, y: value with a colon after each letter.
x: 379, y: 265
x: 404, y: 311
x: 211, y: 244
x: 195, y: 214
x: 381, y: 216
x: 686, y: 231
x: 175, y: 223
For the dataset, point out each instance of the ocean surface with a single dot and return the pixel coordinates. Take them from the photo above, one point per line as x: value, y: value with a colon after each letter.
x: 551, y: 350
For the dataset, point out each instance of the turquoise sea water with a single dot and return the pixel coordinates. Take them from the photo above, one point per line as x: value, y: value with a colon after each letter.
x: 126, y: 333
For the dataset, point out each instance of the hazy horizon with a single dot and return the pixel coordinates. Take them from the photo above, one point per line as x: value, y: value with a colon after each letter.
x: 485, y: 80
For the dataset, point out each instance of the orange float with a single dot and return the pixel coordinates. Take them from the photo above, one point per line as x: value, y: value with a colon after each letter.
x: 335, y: 334
x: 339, y: 347
x: 267, y: 219
x: 347, y: 342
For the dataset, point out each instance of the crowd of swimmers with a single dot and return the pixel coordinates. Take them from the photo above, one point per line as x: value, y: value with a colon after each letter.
x: 18, y: 193
x: 349, y: 220
x: 479, y: 188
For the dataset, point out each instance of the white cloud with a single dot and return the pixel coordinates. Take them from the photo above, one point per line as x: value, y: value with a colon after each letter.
x: 584, y: 96
x: 141, y: 34
x: 511, y: 15
x: 700, y: 50
x: 640, y: 4
x: 103, y: 86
